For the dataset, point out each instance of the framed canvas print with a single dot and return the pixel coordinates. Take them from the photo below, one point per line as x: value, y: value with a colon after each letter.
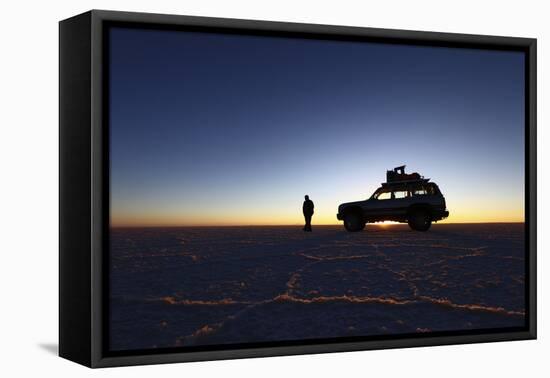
x: 233, y: 188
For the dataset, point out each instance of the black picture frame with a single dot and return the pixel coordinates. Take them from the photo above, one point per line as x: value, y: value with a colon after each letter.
x: 84, y: 189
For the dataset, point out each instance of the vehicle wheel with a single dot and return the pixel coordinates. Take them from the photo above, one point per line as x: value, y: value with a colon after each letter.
x: 420, y: 220
x: 354, y: 222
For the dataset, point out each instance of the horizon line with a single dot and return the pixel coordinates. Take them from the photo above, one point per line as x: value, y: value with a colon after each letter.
x: 298, y: 225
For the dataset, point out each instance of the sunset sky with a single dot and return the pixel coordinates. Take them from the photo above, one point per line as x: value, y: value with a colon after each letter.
x: 210, y: 129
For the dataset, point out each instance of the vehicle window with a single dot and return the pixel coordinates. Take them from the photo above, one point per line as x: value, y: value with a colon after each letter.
x: 401, y: 194
x: 420, y: 192
x: 384, y: 196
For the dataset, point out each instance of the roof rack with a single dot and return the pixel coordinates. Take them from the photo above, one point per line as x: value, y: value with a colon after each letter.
x: 405, y: 182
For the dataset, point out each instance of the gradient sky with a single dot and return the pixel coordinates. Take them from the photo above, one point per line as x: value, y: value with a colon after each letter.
x: 210, y: 129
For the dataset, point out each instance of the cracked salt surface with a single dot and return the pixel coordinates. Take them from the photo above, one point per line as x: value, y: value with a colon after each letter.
x: 206, y: 285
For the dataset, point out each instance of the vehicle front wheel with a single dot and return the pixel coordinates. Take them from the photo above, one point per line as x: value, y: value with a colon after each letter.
x: 420, y: 220
x: 354, y: 222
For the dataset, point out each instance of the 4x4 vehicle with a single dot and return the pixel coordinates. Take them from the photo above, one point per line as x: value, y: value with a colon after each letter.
x: 404, y: 198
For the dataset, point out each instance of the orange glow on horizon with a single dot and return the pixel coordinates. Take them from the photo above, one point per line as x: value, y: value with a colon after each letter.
x: 295, y: 221
x: 289, y: 214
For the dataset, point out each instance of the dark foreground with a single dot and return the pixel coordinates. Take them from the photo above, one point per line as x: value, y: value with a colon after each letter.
x: 202, y: 286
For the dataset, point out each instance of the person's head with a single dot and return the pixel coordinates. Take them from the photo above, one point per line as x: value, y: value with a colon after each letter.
x: 306, y: 197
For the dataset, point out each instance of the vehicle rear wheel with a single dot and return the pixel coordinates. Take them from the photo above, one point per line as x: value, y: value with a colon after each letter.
x: 420, y: 220
x: 354, y: 222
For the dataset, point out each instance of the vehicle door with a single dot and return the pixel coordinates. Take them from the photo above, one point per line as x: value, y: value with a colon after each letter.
x: 384, y: 202
x: 401, y: 202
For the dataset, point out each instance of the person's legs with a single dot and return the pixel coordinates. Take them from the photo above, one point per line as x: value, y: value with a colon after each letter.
x: 308, y: 223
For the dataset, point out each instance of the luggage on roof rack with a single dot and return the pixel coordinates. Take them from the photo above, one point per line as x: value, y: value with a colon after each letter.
x: 398, y: 175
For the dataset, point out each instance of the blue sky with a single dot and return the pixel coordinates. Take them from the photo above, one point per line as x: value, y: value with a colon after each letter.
x: 233, y: 129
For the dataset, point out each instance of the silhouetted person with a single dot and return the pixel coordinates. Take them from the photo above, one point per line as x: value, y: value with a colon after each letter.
x: 307, y: 209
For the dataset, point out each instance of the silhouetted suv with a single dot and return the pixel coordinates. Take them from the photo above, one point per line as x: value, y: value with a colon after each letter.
x: 404, y: 198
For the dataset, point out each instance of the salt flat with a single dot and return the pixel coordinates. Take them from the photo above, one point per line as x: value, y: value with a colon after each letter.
x: 197, y: 286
